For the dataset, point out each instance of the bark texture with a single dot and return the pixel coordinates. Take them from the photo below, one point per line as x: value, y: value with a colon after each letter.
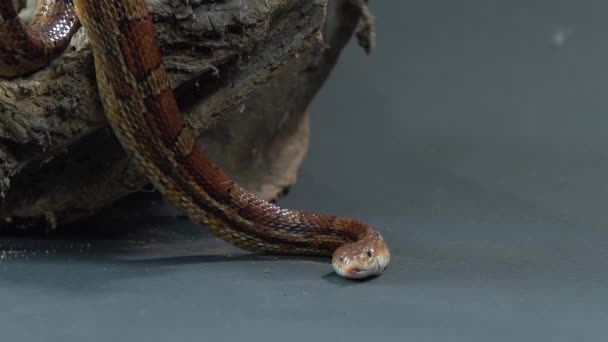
x: 243, y: 72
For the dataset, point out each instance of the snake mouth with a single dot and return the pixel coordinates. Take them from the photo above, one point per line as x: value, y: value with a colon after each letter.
x: 352, y: 271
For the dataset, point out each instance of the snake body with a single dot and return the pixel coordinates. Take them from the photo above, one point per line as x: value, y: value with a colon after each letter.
x: 26, y: 48
x: 141, y: 108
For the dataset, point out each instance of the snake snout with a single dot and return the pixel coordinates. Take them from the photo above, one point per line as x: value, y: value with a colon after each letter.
x: 358, y: 264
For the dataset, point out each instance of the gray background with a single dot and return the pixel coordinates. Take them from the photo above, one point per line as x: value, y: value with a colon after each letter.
x: 474, y: 137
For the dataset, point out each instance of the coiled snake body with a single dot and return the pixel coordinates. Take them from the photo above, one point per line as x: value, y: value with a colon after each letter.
x: 140, y: 107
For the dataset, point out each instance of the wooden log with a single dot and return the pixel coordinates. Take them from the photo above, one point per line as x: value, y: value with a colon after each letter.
x: 244, y: 73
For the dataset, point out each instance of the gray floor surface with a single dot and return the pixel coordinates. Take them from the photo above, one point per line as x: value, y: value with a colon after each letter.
x: 474, y: 137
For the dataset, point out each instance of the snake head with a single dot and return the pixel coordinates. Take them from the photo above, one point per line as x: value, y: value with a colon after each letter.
x: 361, y: 259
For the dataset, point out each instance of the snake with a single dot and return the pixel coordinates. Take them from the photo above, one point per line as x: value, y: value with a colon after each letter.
x: 141, y: 109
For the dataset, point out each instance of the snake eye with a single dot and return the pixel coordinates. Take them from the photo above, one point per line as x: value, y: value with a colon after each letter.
x: 341, y: 258
x: 369, y: 253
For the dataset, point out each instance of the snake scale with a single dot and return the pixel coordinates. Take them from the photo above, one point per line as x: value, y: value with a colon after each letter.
x: 141, y: 109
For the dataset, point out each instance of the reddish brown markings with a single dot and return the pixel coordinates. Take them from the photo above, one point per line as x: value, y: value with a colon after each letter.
x: 139, y: 47
x: 205, y: 173
x: 199, y: 168
x: 163, y: 117
x: 35, y: 48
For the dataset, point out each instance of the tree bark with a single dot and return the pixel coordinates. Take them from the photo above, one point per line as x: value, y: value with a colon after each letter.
x: 243, y: 72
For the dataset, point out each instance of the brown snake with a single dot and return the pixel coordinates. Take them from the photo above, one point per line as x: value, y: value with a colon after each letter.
x: 140, y: 107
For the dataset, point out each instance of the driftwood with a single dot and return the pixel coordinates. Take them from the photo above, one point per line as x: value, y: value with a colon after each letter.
x: 243, y: 72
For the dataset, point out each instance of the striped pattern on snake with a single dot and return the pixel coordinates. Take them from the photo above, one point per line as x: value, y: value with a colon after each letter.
x: 26, y: 48
x: 141, y: 108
